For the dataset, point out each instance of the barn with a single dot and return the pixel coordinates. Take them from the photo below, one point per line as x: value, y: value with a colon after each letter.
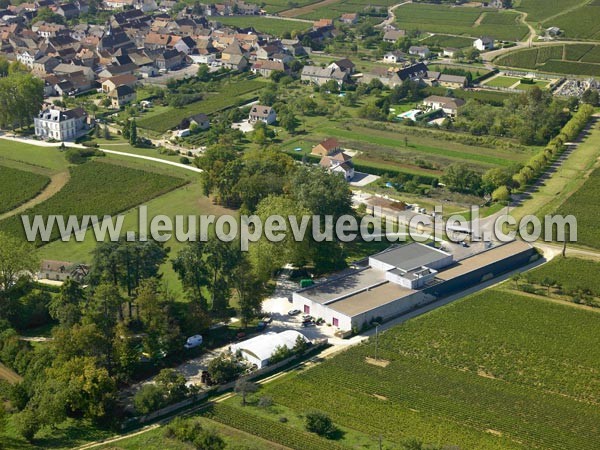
x: 259, y: 349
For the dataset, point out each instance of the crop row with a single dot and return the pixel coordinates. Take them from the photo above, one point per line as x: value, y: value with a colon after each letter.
x: 572, y: 274
x: 18, y: 186
x: 230, y: 95
x: 268, y: 429
x: 97, y: 188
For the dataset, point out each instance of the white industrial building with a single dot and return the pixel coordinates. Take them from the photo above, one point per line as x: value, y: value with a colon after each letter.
x: 402, y: 278
x: 259, y: 349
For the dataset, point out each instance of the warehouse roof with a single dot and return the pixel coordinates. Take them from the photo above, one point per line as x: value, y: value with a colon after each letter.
x: 410, y: 256
x: 263, y: 346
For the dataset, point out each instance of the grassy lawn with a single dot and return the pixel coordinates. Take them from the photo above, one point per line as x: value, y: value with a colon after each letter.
x: 49, y: 158
x: 539, y: 83
x: 267, y: 25
x: 463, y: 375
x: 119, y: 144
x: 442, y: 40
x: 500, y: 81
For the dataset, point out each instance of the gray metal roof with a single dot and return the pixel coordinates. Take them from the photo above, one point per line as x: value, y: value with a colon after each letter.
x: 410, y: 256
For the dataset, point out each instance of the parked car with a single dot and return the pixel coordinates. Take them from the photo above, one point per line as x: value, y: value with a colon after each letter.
x: 308, y: 317
x: 294, y: 312
x: 308, y: 323
x: 193, y: 341
x: 267, y: 319
x: 261, y: 326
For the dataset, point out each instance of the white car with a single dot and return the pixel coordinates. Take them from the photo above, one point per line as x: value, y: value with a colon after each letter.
x: 193, y: 341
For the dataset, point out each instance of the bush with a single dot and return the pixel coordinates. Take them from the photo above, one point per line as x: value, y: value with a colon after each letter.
x: 81, y: 155
x: 149, y: 398
x: 320, y: 423
x: 185, y: 160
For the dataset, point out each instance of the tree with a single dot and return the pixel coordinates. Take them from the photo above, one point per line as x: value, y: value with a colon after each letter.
x: 133, y: 133
x: 459, y: 178
x: 21, y: 97
x: 501, y: 194
x: 224, y: 368
x: 203, y: 73
x: 209, y: 440
x: 106, y: 132
x: 66, y: 306
x: 104, y: 308
x: 319, y: 423
x: 591, y: 96
x: 27, y: 424
x: 289, y: 122
x: 16, y: 259
x: 245, y: 387
x: 148, y: 398
x: 173, y: 384
x: 125, y: 353
x: 193, y: 274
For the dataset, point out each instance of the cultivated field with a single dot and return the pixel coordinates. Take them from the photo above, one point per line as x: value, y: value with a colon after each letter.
x: 333, y: 9
x: 540, y: 10
x: 161, y: 119
x: 442, y: 40
x: 18, y: 186
x: 98, y: 188
x: 580, y: 23
x: 576, y: 59
x: 573, y: 275
x: 267, y: 25
x: 582, y: 205
x: 465, y: 375
x: 467, y: 21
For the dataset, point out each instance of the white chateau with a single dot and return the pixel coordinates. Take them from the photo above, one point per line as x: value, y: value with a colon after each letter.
x: 61, y: 125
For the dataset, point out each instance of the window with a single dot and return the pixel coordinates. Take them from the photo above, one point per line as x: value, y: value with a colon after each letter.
x: 336, y: 322
x: 306, y: 309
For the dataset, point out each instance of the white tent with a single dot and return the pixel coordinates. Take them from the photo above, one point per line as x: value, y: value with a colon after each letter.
x: 259, y: 349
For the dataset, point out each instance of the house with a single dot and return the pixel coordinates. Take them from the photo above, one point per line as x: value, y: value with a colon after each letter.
x: 345, y: 65
x: 553, y: 31
x: 395, y: 57
x: 266, y: 68
x: 262, y: 113
x: 44, y: 66
x: 112, y: 83
x: 339, y: 163
x: 393, y: 35
x: 118, y: 4
x: 449, y: 81
x: 326, y: 147
x: 200, y: 120
x: 484, y: 43
x: 323, y: 23
x: 449, y: 105
x: 169, y: 59
x: 62, y: 271
x: 349, y: 18
x: 67, y: 10
x: 393, y: 77
x: 112, y: 70
x: 294, y: 47
x: 420, y: 51
x: 235, y: 62
x: 450, y: 52
x: 320, y: 76
x: 185, y: 45
x: 59, y: 124
x: 121, y: 96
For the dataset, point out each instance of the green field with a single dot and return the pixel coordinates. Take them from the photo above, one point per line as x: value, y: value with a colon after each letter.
x: 97, y: 188
x: 576, y: 59
x: 267, y: 25
x: 336, y: 9
x: 580, y: 23
x: 467, y: 21
x: 441, y: 40
x: 161, y: 119
x: 501, y: 81
x: 582, y: 205
x: 572, y: 274
x: 465, y: 375
x: 540, y: 10
x: 36, y: 158
x: 18, y: 186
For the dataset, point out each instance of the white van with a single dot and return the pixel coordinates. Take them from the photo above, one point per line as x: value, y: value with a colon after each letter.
x: 193, y: 341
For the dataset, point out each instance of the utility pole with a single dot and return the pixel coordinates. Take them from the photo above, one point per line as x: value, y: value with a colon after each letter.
x: 376, y: 342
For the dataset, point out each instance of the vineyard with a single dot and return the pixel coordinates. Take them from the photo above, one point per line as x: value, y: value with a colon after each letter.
x: 540, y: 10
x: 230, y: 95
x: 462, y: 21
x: 18, y: 186
x: 572, y: 274
x: 581, y: 23
x: 98, y: 188
x: 441, y: 40
x: 587, y: 217
x: 576, y: 59
x: 276, y: 27
x: 270, y: 430
x: 466, y: 375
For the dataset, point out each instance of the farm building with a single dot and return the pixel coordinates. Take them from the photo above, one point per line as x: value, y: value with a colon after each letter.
x: 402, y: 278
x: 259, y: 349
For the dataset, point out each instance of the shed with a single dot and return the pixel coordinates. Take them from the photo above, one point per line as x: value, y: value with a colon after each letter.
x: 259, y: 349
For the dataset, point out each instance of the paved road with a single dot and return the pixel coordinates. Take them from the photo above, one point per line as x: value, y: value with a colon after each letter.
x: 112, y: 152
x: 391, y: 18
